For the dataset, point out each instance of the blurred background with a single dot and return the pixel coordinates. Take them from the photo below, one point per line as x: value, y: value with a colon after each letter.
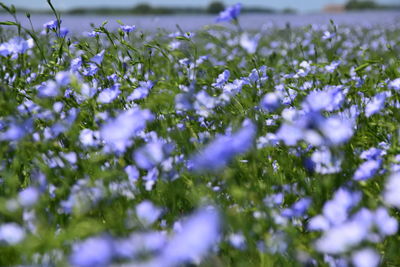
x: 77, y: 15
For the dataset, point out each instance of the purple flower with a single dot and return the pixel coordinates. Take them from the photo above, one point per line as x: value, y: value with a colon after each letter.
x: 183, y: 102
x: 290, y: 134
x: 63, y: 78
x: 118, y: 132
x: 91, y: 70
x: 127, y: 28
x: 318, y: 223
x: 333, y: 66
x: 237, y: 240
x: 298, y: 208
x: 48, y: 89
x: 109, y: 94
x: 367, y: 169
x: 328, y: 35
x: 223, y: 149
x: 337, y: 130
x: 76, y: 63
x: 132, y: 172
x: 204, y: 103
x: 233, y: 88
x: 395, y: 84
x: 28, y: 197
x: 270, y: 102
x: 17, y: 130
x: 148, y: 156
x: 342, y: 237
x: 372, y: 153
x: 197, y: 235
x: 366, y: 257
x: 89, y: 137
x: 15, y: 46
x: 51, y: 25
x: 336, y: 210
x: 324, y: 162
x: 63, y: 32
x: 11, y: 233
x: 142, y: 91
x: 249, y: 44
x: 391, y: 194
x: 222, y: 79
x: 375, y: 105
x: 147, y: 212
x: 98, y: 58
x: 318, y: 100
x: 95, y: 251
x: 92, y: 33
x: 386, y: 224
x: 230, y: 13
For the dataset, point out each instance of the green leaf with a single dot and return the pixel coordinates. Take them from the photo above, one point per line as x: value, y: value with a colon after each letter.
x: 362, y: 67
x: 9, y: 23
x: 182, y: 38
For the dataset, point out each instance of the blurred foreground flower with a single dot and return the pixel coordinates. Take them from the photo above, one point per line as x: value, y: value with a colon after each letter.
x: 223, y: 149
x: 231, y: 13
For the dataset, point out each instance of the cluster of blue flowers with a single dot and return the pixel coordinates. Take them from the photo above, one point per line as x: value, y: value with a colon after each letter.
x: 215, y: 147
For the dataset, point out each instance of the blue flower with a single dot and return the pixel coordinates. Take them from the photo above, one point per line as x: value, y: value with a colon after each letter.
x: 48, y: 89
x: 142, y: 91
x: 15, y: 46
x: 395, y: 84
x: 95, y: 251
x: 249, y: 44
x: 375, y: 105
x: 89, y: 137
x: 63, y: 78
x: 17, y: 130
x: 148, y: 156
x: 223, y: 149
x: 132, y: 172
x: 127, y: 28
x: 366, y: 257
x: 337, y: 130
x: 109, y: 94
x: 63, y: 32
x: 336, y: 210
x: 372, y: 153
x: 204, y: 103
x: 76, y: 63
x: 147, y: 212
x: 386, y: 224
x: 391, y: 194
x: 328, y: 35
x: 290, y: 134
x: 197, y: 235
x: 298, y: 208
x: 91, y: 70
x: 11, y: 233
x: 230, y: 13
x: 98, y: 58
x: 270, y: 102
x: 118, y: 132
x: 222, y: 78
x: 367, y: 169
x: 333, y: 66
x: 28, y: 197
x: 51, y: 25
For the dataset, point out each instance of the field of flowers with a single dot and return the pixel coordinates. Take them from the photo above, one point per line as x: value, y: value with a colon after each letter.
x: 219, y: 147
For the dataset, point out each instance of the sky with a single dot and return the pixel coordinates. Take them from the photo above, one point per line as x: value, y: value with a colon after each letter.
x: 300, y: 5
